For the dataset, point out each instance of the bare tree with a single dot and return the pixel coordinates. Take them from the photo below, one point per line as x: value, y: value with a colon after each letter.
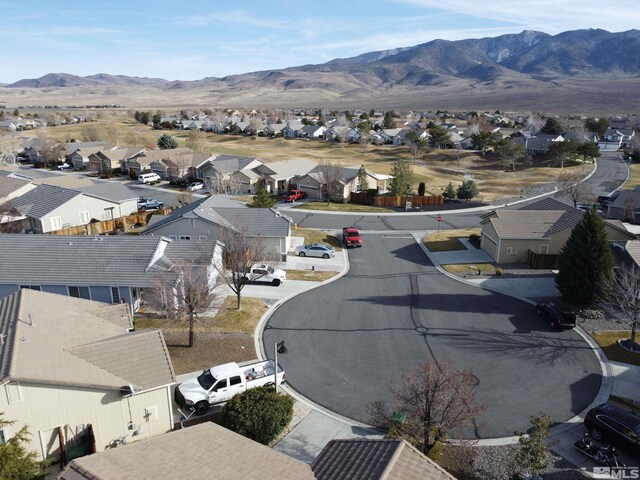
x: 186, y: 290
x: 256, y: 125
x: 240, y: 252
x: 9, y: 147
x: 10, y: 218
x: 571, y: 185
x: 90, y: 133
x: 196, y: 140
x: 220, y: 184
x: 534, y: 123
x: 363, y: 141
x: 624, y: 299
x: 430, y: 402
x: 179, y: 167
x: 113, y: 131
x: 329, y: 175
x: 510, y: 152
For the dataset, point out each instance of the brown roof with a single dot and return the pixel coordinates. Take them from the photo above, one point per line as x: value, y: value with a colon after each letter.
x: 61, y: 340
x: 9, y: 185
x: 375, y: 460
x: 149, y: 156
x: 202, y: 451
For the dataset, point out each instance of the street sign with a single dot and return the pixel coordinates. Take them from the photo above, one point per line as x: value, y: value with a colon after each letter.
x: 439, y: 218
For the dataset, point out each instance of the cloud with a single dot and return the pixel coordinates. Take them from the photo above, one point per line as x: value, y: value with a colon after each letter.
x: 551, y: 16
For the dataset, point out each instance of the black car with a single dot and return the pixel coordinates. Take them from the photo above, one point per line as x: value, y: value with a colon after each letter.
x: 556, y: 317
x: 616, y: 425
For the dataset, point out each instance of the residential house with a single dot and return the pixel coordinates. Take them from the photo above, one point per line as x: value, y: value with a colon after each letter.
x: 313, y: 131
x: 78, y: 152
x: 179, y: 168
x: 243, y: 128
x: 12, y: 187
x: 141, y: 162
x: 541, y: 227
x: 626, y: 206
x: 277, y: 177
x: 357, y: 459
x: 75, y: 374
x: 212, y: 218
x: 50, y: 208
x: 112, y: 159
x: 336, y: 133
x: 110, y: 269
x: 274, y: 129
x: 230, y: 170
x: 538, y: 144
x: 336, y: 182
x: 205, y: 449
x: 627, y: 253
x: 293, y: 130
x: 10, y: 125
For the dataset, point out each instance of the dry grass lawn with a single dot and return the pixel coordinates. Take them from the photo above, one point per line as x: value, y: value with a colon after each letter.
x: 436, y: 169
x: 341, y: 207
x: 309, y: 275
x: 317, y: 236
x: 486, y: 268
x: 227, y: 337
x: 608, y: 342
x: 634, y: 176
x: 447, y: 240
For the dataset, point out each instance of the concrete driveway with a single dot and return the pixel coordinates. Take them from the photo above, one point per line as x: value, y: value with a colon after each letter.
x: 395, y: 310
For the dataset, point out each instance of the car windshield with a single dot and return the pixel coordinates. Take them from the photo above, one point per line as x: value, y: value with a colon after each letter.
x: 270, y: 269
x: 206, y: 380
x: 352, y: 234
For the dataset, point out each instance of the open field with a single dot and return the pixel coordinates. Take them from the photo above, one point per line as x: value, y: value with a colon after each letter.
x: 437, y: 168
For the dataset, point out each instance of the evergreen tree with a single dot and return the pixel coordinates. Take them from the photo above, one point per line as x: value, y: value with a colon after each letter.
x: 449, y: 193
x: 585, y: 262
x: 157, y: 119
x: 467, y: 190
x: 16, y: 462
x: 552, y: 126
x: 588, y: 149
x: 421, y: 189
x: 388, y: 121
x: 532, y: 453
x: 439, y: 136
x: 598, y: 127
x: 402, y: 178
x: 262, y: 199
x: 363, y: 179
x: 167, y: 142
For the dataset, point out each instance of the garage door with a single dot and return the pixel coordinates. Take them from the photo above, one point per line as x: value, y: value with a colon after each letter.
x: 490, y: 246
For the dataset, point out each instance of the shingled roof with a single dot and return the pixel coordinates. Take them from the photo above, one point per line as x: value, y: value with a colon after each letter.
x: 375, y: 460
x: 43, y: 199
x: 202, y: 451
x: 60, y: 340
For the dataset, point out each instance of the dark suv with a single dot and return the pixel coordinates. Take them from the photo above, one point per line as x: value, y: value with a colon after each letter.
x: 616, y: 425
x: 556, y: 317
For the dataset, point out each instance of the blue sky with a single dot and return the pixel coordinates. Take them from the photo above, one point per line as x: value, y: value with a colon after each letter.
x: 188, y: 40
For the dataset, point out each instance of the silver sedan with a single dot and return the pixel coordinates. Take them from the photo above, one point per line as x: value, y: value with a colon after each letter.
x: 316, y: 250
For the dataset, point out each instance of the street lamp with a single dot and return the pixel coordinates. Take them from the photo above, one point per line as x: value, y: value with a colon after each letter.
x: 278, y: 348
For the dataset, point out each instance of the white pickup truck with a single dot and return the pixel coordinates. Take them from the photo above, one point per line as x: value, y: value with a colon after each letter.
x: 218, y: 384
x: 265, y: 273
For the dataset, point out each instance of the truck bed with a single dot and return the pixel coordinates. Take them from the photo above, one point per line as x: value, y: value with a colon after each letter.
x: 260, y: 371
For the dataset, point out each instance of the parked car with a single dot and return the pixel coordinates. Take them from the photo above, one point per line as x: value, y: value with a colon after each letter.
x: 265, y: 273
x: 195, y: 186
x: 615, y: 425
x: 65, y: 166
x: 351, y: 237
x: 149, y: 204
x: 293, y: 195
x: 149, y: 178
x: 316, y: 250
x: 218, y: 384
x: 556, y: 317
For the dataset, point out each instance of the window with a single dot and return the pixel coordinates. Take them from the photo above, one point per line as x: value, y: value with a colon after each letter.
x: 14, y: 392
x: 173, y: 237
x: 56, y: 223
x: 185, y: 237
x: 543, y: 249
x: 221, y: 384
x: 509, y: 251
x: 192, y: 222
x: 115, y: 294
x: 31, y: 287
x: 80, y: 292
x: 84, y: 217
x: 108, y: 213
x: 613, y: 424
x: 203, y: 237
x: 3, y: 437
x: 235, y: 381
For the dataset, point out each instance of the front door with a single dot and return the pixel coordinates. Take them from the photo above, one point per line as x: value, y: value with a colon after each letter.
x: 50, y: 444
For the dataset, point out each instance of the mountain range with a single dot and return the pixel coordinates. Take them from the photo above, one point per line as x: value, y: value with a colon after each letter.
x: 581, y: 69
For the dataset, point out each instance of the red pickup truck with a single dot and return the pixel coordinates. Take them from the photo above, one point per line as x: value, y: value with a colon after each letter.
x: 294, y: 195
x: 351, y: 237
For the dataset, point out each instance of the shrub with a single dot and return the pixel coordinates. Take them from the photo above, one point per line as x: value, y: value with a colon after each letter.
x: 474, y: 238
x: 259, y: 414
x: 498, y: 271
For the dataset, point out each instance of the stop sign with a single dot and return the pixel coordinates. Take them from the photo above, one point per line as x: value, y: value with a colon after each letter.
x: 439, y: 218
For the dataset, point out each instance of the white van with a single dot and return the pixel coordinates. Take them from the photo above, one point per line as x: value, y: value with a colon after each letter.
x: 149, y: 178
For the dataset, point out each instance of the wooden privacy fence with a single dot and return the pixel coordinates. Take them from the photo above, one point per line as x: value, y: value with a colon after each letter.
x: 541, y: 261
x: 401, y: 200
x: 109, y: 226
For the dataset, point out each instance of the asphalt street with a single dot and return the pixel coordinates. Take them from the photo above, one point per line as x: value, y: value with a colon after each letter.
x: 394, y: 310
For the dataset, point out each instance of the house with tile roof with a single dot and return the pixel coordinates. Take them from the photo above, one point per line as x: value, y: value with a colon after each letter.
x: 205, y: 450
x: 72, y: 371
x: 211, y: 218
x: 541, y: 227
x: 277, y: 177
x: 345, y: 181
x: 375, y: 460
x: 112, y: 159
x: 626, y: 206
x: 13, y: 187
x: 229, y: 171
x: 80, y: 157
x: 50, y: 208
x: 179, y: 168
x: 109, y: 269
x: 141, y: 162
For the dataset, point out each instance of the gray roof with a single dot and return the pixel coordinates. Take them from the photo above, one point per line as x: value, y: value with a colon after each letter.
x: 628, y: 196
x: 569, y: 218
x: 10, y: 185
x: 42, y: 200
x: 119, y: 260
x: 111, y: 191
x: 187, y: 453
x: 231, y: 163
x: 341, y: 174
x: 73, y: 146
x: 286, y: 169
x: 227, y: 213
x: 375, y: 460
x: 61, y: 340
